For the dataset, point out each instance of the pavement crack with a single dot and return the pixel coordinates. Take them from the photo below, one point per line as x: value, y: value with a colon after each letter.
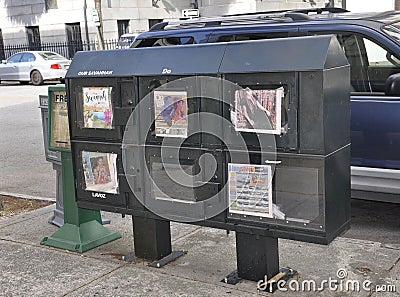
x: 30, y: 216
x: 395, y: 263
x: 220, y: 284
x: 187, y: 235
x: 18, y: 222
x: 94, y: 280
x: 57, y: 250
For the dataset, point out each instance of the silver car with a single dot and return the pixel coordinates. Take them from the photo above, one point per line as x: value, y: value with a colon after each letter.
x: 34, y: 66
x: 126, y: 40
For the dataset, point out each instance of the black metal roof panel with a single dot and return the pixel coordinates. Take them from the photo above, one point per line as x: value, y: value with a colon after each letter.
x: 104, y: 63
x: 182, y: 60
x: 283, y: 54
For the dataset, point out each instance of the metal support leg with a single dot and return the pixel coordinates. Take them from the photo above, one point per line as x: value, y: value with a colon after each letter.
x: 257, y: 256
x: 152, y: 238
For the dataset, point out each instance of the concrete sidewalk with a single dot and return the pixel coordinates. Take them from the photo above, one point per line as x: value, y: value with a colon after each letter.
x: 29, y: 269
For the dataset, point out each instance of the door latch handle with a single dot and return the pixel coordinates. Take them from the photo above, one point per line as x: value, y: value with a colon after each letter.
x: 273, y: 162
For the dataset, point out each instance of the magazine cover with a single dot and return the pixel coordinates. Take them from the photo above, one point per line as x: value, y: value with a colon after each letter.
x: 170, y: 110
x: 100, y: 170
x: 97, y: 107
x: 250, y: 190
x: 253, y: 108
x: 59, y: 137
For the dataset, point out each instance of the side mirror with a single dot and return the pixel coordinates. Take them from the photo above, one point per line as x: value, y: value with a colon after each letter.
x: 392, y: 85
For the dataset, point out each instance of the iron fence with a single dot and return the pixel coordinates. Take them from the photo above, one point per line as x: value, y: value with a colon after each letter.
x: 66, y: 49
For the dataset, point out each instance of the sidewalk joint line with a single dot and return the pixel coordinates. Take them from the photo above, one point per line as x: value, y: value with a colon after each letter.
x: 217, y: 283
x: 187, y: 235
x: 395, y: 263
x: 80, y: 255
x: 95, y: 279
x: 26, y: 219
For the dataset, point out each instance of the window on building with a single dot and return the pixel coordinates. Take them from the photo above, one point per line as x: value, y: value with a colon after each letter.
x: 33, y: 35
x: 74, y: 38
x: 2, y: 53
x: 123, y: 27
x: 50, y: 4
x: 152, y: 22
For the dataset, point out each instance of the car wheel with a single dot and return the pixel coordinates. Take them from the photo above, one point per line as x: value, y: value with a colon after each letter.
x: 62, y: 81
x: 36, y: 78
x: 24, y: 82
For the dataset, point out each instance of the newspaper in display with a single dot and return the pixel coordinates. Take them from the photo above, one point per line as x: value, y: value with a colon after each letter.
x: 258, y: 111
x: 100, y: 170
x: 59, y: 137
x: 170, y: 109
x: 250, y: 190
x: 97, y: 107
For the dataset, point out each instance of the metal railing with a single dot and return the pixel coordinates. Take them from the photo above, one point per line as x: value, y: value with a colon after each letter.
x: 66, y: 49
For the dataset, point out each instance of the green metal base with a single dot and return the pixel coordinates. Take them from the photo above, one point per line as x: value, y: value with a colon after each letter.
x: 81, y: 238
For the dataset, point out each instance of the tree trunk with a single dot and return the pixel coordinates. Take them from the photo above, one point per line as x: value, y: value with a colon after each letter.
x: 1, y: 202
x: 97, y: 5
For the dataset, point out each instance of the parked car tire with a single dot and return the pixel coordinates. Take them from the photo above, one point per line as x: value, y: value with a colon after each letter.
x: 62, y: 81
x: 23, y: 82
x: 36, y: 78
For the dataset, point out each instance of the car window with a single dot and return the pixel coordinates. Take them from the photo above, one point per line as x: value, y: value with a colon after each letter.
x: 257, y: 36
x: 15, y: 58
x: 125, y: 41
x: 393, y: 30
x: 175, y: 40
x: 28, y: 57
x: 251, y: 36
x: 381, y: 64
x: 378, y: 56
x: 51, y: 56
x: 370, y: 63
x: 225, y: 38
x: 355, y: 52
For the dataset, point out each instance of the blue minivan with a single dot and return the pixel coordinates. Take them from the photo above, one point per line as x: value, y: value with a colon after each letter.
x: 371, y: 42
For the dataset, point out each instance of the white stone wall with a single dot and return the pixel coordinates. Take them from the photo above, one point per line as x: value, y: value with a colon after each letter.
x: 292, y: 4
x: 367, y: 6
x: 15, y: 15
x: 221, y: 7
x: 139, y: 12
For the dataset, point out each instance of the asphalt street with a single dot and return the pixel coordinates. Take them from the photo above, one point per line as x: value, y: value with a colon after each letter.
x: 23, y: 167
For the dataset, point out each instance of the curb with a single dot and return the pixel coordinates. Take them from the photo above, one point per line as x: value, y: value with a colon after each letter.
x: 23, y: 196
